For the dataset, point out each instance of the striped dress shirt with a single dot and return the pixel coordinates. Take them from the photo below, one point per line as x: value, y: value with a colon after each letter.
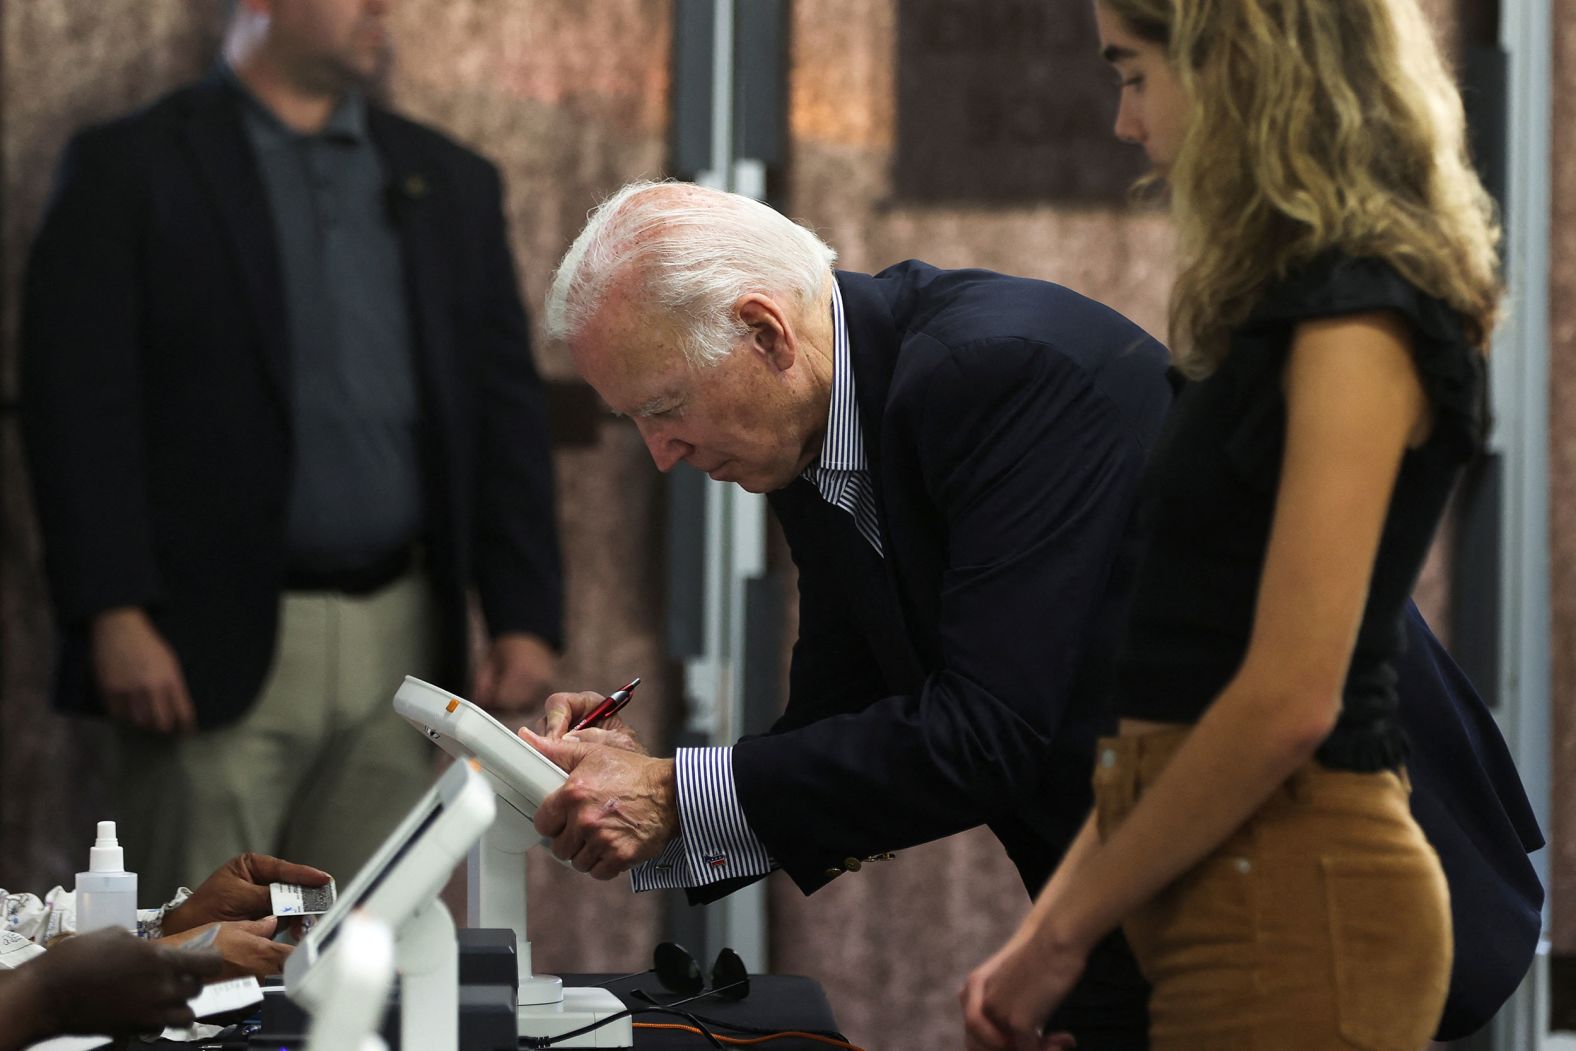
x: 715, y: 841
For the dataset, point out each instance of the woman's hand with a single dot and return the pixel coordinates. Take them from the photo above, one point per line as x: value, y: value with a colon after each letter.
x: 1007, y: 999
x: 238, y: 890
x: 108, y: 982
x: 247, y: 947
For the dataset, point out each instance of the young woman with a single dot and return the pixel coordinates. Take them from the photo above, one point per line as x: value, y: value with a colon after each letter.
x: 1339, y: 283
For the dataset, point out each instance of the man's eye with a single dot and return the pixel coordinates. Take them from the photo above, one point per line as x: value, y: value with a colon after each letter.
x: 1134, y: 81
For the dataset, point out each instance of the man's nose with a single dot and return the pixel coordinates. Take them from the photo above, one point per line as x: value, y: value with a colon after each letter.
x: 666, y: 450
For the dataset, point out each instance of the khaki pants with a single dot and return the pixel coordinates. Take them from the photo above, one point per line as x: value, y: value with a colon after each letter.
x: 318, y: 771
x: 1324, y: 922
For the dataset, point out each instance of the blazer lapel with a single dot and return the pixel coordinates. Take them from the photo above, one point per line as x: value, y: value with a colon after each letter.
x: 873, y: 344
x: 224, y: 154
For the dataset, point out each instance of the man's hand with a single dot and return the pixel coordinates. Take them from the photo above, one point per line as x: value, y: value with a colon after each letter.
x: 139, y: 674
x: 617, y: 808
x: 566, y: 709
x: 108, y: 982
x: 247, y: 947
x: 238, y: 890
x: 517, y: 673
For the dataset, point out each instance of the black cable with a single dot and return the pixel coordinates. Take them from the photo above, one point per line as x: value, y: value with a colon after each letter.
x: 535, y: 1042
x: 702, y: 1023
x: 549, y: 1041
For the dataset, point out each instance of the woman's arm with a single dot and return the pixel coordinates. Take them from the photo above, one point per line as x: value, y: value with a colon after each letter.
x: 979, y: 1021
x: 1354, y: 405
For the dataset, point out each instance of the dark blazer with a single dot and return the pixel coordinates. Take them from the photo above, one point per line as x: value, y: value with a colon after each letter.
x: 1469, y: 800
x: 155, y: 393
x: 961, y: 679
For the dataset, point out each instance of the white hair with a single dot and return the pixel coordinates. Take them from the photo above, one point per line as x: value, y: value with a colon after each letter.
x: 697, y: 251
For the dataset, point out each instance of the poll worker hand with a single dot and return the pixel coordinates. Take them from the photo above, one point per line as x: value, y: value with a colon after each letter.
x: 516, y: 674
x: 238, y: 890
x: 245, y: 946
x: 109, y: 981
x: 1008, y: 997
x: 139, y: 674
x: 566, y: 709
x: 617, y: 809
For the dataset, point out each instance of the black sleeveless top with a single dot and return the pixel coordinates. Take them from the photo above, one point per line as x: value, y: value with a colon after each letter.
x: 1209, y: 493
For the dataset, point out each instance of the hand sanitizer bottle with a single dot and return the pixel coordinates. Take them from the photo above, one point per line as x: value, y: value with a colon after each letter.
x: 106, y: 892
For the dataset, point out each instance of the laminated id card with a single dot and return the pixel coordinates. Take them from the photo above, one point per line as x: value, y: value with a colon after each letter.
x: 292, y: 899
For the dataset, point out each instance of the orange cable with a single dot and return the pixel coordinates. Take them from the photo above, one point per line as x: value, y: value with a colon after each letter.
x: 746, y: 1041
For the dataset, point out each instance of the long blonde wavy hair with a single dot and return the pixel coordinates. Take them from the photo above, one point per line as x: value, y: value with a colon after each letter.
x: 1315, y: 125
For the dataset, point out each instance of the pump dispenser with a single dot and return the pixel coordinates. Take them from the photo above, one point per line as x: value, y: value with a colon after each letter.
x: 106, y: 892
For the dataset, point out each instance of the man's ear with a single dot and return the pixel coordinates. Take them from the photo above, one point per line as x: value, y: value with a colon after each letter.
x: 771, y: 337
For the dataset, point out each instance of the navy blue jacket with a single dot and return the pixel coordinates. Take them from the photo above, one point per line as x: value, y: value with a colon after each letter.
x: 155, y: 389
x: 962, y: 679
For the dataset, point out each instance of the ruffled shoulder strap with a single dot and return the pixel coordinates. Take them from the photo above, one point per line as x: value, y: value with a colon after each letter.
x: 1452, y: 371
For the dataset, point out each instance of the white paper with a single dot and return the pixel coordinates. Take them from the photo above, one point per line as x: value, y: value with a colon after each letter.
x: 215, y: 999
x: 71, y: 1043
x: 222, y: 997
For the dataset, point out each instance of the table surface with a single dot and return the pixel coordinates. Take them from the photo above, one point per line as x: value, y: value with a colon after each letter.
x: 775, y: 1003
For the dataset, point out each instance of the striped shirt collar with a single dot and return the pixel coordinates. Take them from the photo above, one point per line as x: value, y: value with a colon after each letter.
x: 843, y: 448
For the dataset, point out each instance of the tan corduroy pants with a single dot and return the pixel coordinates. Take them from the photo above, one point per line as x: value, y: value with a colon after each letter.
x: 1324, y: 922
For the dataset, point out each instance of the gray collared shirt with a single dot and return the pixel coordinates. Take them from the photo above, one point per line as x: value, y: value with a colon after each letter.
x: 356, y: 490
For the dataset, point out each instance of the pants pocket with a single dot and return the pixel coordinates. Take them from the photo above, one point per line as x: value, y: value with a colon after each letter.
x: 1390, y: 935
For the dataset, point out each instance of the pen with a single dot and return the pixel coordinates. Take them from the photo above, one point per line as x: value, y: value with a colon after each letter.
x: 609, y: 707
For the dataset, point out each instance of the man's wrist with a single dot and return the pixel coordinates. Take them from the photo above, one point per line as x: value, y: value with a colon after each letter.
x: 665, y: 794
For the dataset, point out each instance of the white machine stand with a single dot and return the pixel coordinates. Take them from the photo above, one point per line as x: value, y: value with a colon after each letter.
x: 522, y: 777
x: 400, y: 887
x: 360, y: 975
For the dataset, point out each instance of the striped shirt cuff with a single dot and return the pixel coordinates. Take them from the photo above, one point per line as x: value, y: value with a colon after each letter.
x: 714, y: 841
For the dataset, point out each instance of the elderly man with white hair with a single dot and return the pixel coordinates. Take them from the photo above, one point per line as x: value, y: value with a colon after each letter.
x: 953, y: 457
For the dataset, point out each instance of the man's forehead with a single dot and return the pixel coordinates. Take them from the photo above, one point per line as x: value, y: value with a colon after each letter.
x: 630, y: 375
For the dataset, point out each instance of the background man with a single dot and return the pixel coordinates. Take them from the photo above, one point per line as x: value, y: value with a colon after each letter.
x: 952, y: 455
x: 280, y: 412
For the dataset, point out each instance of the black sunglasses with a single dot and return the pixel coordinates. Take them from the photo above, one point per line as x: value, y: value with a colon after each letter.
x: 679, y: 972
